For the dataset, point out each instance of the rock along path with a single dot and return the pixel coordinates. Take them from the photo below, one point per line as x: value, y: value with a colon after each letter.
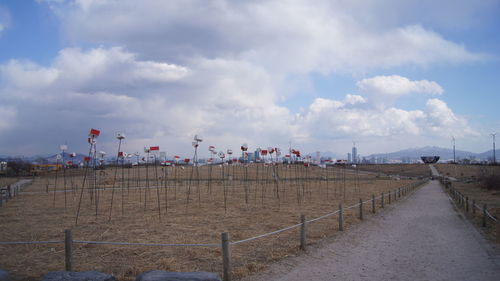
x: 421, y: 238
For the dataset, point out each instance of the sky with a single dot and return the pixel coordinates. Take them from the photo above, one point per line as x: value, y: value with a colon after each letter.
x: 316, y: 75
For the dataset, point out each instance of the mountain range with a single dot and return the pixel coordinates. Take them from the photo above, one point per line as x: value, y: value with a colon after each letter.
x: 410, y: 153
x: 415, y: 153
x: 444, y: 153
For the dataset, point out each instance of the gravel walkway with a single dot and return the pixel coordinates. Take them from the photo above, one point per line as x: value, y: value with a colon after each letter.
x: 419, y: 238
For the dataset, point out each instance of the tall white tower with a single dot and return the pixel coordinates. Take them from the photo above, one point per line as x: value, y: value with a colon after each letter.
x: 354, y: 153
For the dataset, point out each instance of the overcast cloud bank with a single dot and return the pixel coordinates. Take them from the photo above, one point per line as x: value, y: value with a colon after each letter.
x: 162, y: 71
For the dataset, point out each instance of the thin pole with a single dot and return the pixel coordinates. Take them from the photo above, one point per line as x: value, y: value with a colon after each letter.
x: 157, y: 188
x: 360, y: 209
x: 64, y: 180
x: 484, y: 215
x: 341, y: 218
x: 146, y: 191
x: 454, y: 159
x: 494, y: 153
x: 302, y: 232
x: 114, y: 179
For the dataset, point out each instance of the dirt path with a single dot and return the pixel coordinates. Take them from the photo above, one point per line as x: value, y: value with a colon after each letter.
x: 434, y: 171
x: 421, y: 238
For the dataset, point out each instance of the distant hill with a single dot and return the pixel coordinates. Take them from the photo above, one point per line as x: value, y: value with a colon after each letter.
x: 488, y: 154
x: 53, y: 158
x: 410, y: 153
x: 444, y: 153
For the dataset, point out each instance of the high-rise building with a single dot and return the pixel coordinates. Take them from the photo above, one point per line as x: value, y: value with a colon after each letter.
x: 354, y: 155
x: 349, y: 159
x: 163, y: 156
x: 256, y: 155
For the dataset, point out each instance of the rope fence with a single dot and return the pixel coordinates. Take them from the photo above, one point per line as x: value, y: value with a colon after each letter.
x: 31, y: 242
x: 462, y: 201
x: 225, y: 241
x: 12, y: 190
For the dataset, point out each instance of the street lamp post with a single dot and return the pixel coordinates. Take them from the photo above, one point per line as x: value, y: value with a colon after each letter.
x: 454, y: 159
x: 494, y: 154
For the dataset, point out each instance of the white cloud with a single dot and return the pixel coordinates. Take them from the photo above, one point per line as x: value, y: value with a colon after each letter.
x: 443, y: 122
x: 27, y: 75
x: 354, y: 99
x: 111, y: 89
x: 396, y: 85
x: 383, y: 91
x: 167, y: 70
x: 227, y: 101
x: 283, y: 37
x: 330, y: 119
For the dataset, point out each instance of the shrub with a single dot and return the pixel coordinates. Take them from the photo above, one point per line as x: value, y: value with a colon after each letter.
x: 491, y: 182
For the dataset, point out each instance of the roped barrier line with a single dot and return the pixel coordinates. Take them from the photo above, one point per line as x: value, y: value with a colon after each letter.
x: 479, y: 208
x: 31, y: 242
x: 489, y: 215
x: 144, y: 244
x: 452, y: 201
x: 265, y: 234
x: 322, y: 217
x: 297, y: 225
x: 352, y: 206
x: 369, y: 200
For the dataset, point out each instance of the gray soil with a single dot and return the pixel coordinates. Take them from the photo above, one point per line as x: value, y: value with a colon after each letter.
x: 419, y: 238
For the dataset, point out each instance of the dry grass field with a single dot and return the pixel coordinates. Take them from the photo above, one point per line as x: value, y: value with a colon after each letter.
x: 469, y: 182
x: 407, y: 170
x: 4, y: 181
x: 156, y: 209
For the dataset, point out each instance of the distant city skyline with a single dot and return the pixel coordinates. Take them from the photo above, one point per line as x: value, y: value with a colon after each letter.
x: 266, y: 73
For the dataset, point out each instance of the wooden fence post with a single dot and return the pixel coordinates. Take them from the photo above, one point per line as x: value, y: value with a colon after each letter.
x: 473, y: 207
x: 68, y: 250
x: 226, y: 257
x: 360, y: 209
x: 382, y: 200
x: 467, y: 204
x: 389, y: 197
x: 373, y: 203
x: 302, y: 232
x: 484, y: 215
x: 341, y: 218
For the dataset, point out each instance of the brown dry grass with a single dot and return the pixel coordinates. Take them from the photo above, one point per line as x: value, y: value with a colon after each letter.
x: 38, y: 216
x: 408, y: 170
x: 4, y: 181
x: 467, y: 172
x: 469, y: 184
